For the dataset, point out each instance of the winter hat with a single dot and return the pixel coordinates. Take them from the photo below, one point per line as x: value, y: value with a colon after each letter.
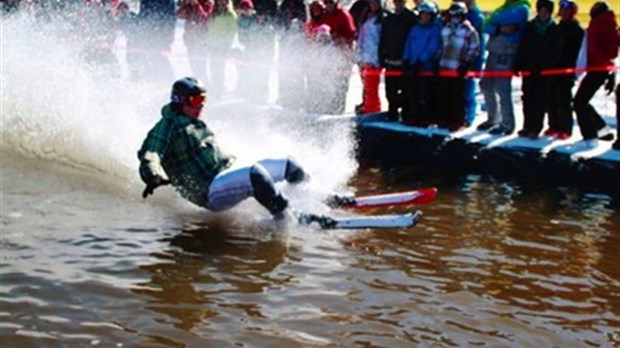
x: 246, y: 4
x: 548, y: 4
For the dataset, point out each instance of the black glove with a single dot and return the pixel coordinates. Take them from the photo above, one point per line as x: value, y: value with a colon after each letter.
x: 154, y: 183
x: 611, y: 83
x: 463, y: 69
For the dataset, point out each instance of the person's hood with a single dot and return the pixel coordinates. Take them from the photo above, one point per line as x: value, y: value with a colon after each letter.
x: 606, y: 18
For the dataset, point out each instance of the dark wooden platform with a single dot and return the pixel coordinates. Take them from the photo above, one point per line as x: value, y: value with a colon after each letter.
x: 568, y: 162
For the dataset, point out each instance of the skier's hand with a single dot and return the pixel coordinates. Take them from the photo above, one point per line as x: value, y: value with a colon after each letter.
x: 154, y: 183
x: 611, y: 83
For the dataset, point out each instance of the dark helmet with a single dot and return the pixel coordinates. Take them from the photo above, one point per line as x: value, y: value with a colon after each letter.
x: 186, y: 87
x: 458, y: 8
x: 598, y: 8
x: 548, y: 4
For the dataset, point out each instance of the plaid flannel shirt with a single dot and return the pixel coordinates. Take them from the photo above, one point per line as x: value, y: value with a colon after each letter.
x: 184, y: 150
x: 461, y: 45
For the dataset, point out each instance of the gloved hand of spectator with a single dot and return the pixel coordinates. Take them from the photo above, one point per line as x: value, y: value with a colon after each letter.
x: 611, y: 83
x: 154, y: 183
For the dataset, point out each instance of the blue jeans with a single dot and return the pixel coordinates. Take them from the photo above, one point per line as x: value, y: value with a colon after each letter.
x: 494, y: 88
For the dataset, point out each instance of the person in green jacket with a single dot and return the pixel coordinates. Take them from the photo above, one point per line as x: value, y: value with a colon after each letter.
x: 182, y: 151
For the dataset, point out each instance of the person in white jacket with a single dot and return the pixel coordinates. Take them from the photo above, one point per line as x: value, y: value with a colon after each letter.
x: 367, y: 55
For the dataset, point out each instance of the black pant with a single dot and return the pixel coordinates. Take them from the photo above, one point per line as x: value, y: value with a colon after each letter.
x: 395, y: 92
x: 421, y: 100
x: 590, y: 122
x: 618, y: 111
x: 451, y: 101
x: 561, y: 111
x: 536, y: 92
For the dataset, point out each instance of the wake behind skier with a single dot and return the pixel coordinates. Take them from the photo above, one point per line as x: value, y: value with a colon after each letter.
x: 181, y: 150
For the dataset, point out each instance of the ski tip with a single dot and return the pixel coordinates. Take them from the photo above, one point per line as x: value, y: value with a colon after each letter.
x: 427, y: 195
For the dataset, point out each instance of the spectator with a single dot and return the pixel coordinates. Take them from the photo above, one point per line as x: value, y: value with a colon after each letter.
x: 322, y: 78
x: 128, y: 23
x: 342, y: 31
x: 616, y: 144
x: 539, y: 50
x: 475, y: 17
x: 367, y: 51
x: 157, y: 20
x: 316, y: 10
x: 602, y: 49
x: 505, y: 28
x: 359, y: 11
x: 221, y: 32
x: 396, y: 26
x: 267, y: 9
x: 257, y: 35
x: 98, y: 33
x: 460, y: 48
x: 422, y: 48
x: 290, y: 10
x: 196, y: 14
x: 291, y: 63
x: 571, y: 34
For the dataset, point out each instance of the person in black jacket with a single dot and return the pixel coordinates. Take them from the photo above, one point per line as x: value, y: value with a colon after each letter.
x: 394, y: 33
x: 538, y: 51
x: 561, y: 115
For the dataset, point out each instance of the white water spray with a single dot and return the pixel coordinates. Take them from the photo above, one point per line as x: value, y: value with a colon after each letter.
x: 56, y: 108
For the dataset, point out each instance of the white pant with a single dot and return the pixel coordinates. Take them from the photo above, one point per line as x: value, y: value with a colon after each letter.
x: 233, y: 185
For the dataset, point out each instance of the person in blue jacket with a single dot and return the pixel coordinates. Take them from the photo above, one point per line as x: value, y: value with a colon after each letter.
x: 420, y: 64
x: 505, y: 28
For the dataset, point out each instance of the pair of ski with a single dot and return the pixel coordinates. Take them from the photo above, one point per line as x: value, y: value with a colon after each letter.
x: 410, y: 219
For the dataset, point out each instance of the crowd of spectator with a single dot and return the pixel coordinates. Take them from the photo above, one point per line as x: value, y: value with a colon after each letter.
x: 431, y: 59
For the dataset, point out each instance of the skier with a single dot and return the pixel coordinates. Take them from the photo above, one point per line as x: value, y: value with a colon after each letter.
x: 181, y: 150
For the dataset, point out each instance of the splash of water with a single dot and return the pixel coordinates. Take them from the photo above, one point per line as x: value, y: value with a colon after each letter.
x: 56, y: 108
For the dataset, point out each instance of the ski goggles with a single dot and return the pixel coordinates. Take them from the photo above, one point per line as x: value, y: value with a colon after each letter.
x: 196, y: 101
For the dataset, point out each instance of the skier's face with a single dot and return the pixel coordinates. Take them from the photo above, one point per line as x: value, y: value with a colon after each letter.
x: 193, y: 107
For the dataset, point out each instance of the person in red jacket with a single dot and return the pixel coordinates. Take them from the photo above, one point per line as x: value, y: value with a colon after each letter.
x: 342, y: 30
x: 602, y: 49
x: 196, y: 14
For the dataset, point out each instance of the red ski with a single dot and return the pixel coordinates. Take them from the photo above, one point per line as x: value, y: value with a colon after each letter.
x: 421, y: 196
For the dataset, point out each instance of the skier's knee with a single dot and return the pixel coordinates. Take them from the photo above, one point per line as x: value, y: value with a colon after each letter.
x: 265, y: 191
x: 294, y: 173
